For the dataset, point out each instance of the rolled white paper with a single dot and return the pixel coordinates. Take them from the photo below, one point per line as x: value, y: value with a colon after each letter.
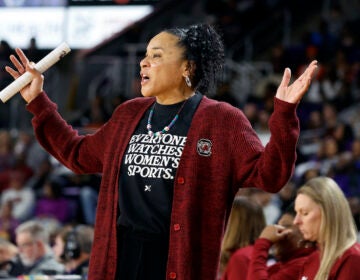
x: 45, y: 63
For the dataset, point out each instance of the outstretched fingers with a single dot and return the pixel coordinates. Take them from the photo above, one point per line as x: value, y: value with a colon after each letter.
x: 12, y: 72
x: 22, y: 56
x: 294, y: 92
x: 286, y: 78
x: 21, y: 64
x: 308, y: 73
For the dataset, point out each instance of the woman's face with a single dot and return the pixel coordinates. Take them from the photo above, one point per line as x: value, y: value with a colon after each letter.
x: 58, y: 247
x: 163, y: 69
x: 308, y: 217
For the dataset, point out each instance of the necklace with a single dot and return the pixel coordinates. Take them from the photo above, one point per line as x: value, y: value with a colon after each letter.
x: 166, y: 128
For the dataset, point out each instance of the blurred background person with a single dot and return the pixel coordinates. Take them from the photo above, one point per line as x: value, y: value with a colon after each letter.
x: 51, y: 203
x: 21, y: 197
x: 77, y: 249
x: 58, y: 242
x: 8, y: 223
x: 36, y: 257
x: 246, y: 221
x: 8, y: 255
x: 269, y: 203
x: 289, y: 250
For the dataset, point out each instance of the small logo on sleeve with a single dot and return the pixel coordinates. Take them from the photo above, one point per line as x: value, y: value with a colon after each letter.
x: 204, y: 147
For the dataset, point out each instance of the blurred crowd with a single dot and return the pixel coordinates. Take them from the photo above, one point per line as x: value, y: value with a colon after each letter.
x: 41, y: 202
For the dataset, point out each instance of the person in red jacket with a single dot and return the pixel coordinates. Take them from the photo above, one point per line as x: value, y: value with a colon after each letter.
x: 324, y: 216
x: 171, y: 161
x: 290, y: 250
x: 246, y: 221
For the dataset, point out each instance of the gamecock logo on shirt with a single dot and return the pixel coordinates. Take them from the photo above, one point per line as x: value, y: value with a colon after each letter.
x: 204, y: 147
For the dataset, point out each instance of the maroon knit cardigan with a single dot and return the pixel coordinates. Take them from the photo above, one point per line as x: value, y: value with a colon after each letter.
x: 205, y: 183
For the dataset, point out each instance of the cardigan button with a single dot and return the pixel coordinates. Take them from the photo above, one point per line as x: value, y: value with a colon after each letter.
x: 176, y: 227
x: 172, y: 275
x: 181, y: 180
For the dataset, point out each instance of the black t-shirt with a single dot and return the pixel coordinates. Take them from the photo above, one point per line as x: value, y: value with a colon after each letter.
x: 149, y: 167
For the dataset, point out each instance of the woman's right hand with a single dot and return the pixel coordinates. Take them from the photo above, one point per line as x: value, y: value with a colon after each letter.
x: 22, y: 64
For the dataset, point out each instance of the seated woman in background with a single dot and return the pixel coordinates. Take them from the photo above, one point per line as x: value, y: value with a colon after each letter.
x: 246, y: 221
x: 324, y: 216
x: 8, y: 223
x: 290, y: 250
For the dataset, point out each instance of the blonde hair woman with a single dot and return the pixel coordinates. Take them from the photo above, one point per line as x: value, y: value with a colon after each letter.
x: 246, y: 221
x: 324, y: 216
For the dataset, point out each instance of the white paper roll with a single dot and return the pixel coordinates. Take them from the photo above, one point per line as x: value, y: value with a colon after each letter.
x: 45, y: 63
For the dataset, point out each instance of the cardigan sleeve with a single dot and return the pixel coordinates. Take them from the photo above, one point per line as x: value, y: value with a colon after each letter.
x: 270, y: 167
x: 80, y: 153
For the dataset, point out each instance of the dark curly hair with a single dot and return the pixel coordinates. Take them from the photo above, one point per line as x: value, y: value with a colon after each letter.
x: 203, y: 46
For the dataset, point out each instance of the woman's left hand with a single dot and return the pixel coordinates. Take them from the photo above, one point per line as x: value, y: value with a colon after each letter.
x: 274, y: 233
x: 294, y: 92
